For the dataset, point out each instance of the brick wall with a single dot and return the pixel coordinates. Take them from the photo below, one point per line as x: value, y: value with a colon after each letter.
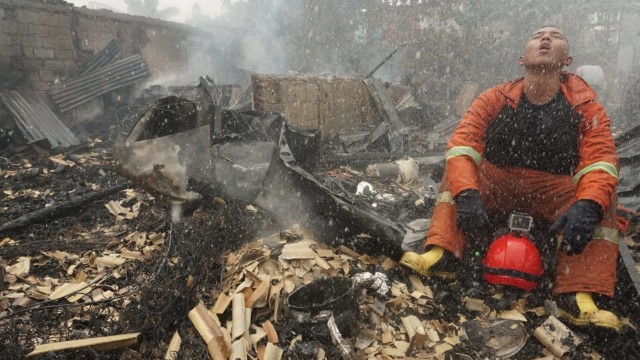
x: 38, y: 39
x: 161, y: 43
x: 330, y: 104
x: 49, y: 42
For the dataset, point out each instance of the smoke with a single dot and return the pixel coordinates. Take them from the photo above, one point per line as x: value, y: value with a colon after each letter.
x: 177, y: 211
x: 286, y: 201
x: 246, y: 38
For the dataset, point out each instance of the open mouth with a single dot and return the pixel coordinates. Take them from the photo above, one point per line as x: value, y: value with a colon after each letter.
x: 544, y: 47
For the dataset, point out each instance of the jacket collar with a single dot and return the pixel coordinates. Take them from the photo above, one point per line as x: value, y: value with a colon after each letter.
x: 573, y: 87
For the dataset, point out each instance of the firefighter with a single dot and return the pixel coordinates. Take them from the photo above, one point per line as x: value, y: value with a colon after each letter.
x: 540, y: 144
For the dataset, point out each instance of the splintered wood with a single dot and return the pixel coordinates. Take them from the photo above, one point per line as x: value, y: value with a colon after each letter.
x: 557, y: 337
x: 210, y: 332
x: 100, y: 344
x: 257, y: 280
x: 81, y: 275
x: 260, y: 276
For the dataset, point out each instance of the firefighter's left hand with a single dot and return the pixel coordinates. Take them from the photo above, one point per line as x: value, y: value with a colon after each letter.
x: 577, y: 225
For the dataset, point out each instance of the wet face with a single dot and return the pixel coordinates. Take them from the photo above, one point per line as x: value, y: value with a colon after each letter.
x: 547, y: 48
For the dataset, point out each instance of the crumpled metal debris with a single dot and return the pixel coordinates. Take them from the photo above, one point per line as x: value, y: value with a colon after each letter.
x: 258, y: 157
x: 495, y: 338
x: 338, y: 340
x: 377, y: 282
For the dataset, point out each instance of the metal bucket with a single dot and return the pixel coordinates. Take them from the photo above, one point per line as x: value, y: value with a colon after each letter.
x: 313, y: 304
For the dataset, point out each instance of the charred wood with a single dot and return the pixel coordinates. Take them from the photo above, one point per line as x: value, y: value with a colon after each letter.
x: 61, y: 209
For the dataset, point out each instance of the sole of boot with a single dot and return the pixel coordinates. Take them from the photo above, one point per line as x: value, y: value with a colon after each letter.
x: 586, y: 321
x: 441, y: 275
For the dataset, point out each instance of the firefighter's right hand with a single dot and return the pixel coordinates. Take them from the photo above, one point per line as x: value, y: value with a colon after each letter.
x: 472, y: 218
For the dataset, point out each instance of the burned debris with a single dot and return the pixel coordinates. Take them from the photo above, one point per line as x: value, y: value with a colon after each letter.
x: 100, y: 81
x: 36, y: 121
x: 245, y: 244
x: 262, y: 220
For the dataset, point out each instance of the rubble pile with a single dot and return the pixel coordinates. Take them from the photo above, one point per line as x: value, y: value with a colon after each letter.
x: 130, y: 274
x: 248, y: 242
x: 392, y: 196
x: 410, y: 319
x: 147, y: 283
x: 404, y: 321
x: 64, y: 177
x: 67, y: 274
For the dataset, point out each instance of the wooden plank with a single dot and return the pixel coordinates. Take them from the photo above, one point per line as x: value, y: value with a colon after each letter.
x: 238, y: 316
x: 209, y: 331
x: 259, y: 294
x: 272, y: 334
x: 99, y: 343
x: 222, y: 303
x: 299, y: 250
x: 557, y: 337
x: 174, y: 347
x: 273, y: 352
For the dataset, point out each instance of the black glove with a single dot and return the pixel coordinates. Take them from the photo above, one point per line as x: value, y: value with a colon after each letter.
x: 578, y: 225
x: 472, y: 218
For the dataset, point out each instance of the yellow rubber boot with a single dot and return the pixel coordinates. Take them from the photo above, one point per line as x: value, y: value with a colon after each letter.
x: 590, y: 314
x: 423, y: 264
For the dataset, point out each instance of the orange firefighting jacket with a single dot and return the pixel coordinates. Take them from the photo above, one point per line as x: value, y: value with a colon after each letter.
x: 597, y: 171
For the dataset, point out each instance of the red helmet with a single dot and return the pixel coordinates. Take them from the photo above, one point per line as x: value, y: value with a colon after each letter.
x: 513, y: 260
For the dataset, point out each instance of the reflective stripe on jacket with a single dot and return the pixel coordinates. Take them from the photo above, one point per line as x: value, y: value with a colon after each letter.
x: 597, y: 171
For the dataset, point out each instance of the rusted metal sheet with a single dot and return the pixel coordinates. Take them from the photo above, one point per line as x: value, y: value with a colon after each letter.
x: 98, y: 82
x: 36, y: 121
x: 104, y: 57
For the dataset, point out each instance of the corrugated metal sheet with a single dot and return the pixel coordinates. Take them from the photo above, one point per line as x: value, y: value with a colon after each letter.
x: 104, y: 57
x: 466, y: 95
x: 36, y: 121
x: 98, y: 82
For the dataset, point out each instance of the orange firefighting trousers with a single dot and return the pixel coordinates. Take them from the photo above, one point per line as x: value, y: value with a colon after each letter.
x: 541, y: 195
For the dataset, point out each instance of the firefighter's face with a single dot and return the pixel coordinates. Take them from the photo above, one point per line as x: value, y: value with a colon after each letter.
x: 547, y: 47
